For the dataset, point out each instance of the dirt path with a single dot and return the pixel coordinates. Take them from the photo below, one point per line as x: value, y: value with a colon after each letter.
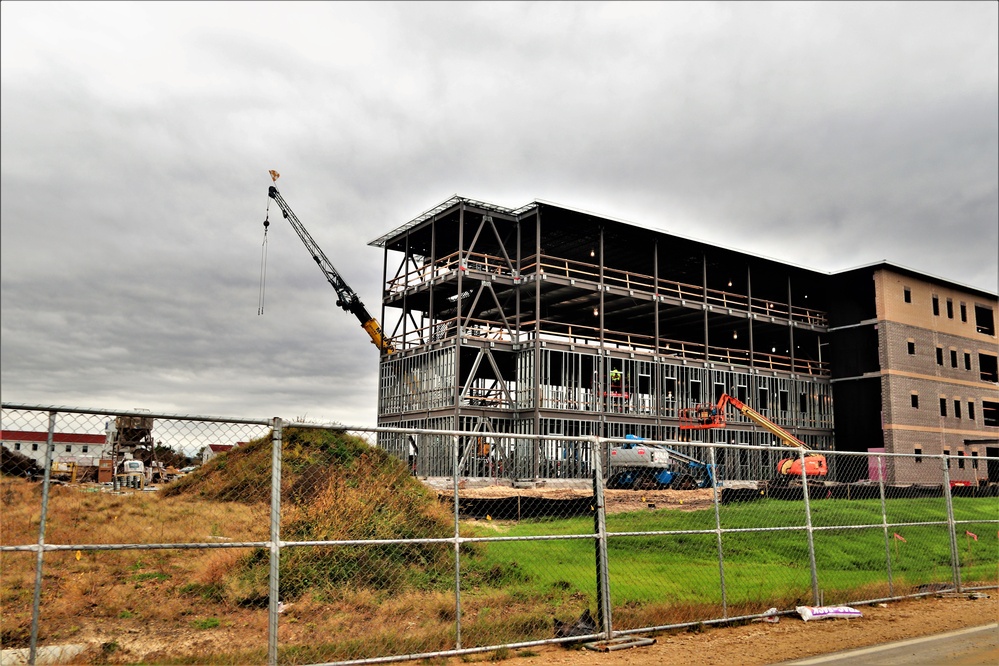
x: 759, y: 644
x: 617, y: 501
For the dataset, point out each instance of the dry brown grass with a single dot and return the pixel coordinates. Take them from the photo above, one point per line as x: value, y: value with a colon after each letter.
x: 91, y: 586
x: 164, y: 603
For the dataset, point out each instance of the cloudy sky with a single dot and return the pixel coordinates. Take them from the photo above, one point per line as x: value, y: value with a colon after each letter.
x: 136, y: 139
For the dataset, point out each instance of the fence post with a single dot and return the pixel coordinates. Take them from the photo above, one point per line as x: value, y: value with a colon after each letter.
x: 600, y: 526
x: 955, y: 559
x: 809, y: 530
x: 884, y: 528
x: 457, y: 547
x: 274, y: 590
x: 37, y: 600
x: 713, y: 476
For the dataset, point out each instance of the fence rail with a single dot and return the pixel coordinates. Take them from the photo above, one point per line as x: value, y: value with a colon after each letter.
x: 303, y: 543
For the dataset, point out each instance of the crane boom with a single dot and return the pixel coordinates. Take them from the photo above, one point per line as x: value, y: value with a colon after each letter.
x: 347, y: 298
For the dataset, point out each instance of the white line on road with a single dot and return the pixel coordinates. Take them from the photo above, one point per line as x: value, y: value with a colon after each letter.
x: 888, y: 646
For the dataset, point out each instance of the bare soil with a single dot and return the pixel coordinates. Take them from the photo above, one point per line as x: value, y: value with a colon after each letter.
x: 758, y: 644
x: 616, y: 501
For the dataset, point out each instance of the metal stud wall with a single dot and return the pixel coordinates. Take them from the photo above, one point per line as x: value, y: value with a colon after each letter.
x: 544, y: 320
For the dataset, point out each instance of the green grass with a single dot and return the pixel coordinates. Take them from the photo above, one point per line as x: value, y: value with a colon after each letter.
x: 760, y: 568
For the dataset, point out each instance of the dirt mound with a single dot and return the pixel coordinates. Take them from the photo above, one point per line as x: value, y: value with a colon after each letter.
x: 334, y: 487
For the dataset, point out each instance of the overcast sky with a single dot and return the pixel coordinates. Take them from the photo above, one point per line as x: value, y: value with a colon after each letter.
x: 136, y: 139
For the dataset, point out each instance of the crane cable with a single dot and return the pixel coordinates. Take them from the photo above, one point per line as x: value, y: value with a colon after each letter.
x: 263, y: 261
x: 263, y: 249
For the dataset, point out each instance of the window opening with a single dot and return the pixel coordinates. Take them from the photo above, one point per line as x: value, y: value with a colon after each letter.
x: 645, y: 383
x: 950, y: 309
x: 695, y: 391
x: 964, y: 312
x: 69, y: 448
x: 990, y: 413
x: 936, y: 306
x: 34, y: 447
x: 911, y: 347
x: 939, y: 355
x: 763, y: 402
x: 957, y: 408
x: 919, y: 454
x: 985, y: 320
x: 960, y: 459
x: 953, y: 358
x: 914, y: 399
x: 17, y: 446
x: 971, y: 411
x: 670, y: 385
x: 907, y: 294
x: 947, y: 456
x: 988, y: 367
x: 967, y: 361
x: 943, y: 406
x: 974, y: 460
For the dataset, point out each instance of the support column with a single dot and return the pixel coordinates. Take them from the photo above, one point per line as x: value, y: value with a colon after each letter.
x: 790, y: 325
x: 433, y: 278
x: 536, y: 375
x: 749, y: 296
x: 602, y: 365
x: 704, y: 282
x: 457, y: 330
x: 657, y: 382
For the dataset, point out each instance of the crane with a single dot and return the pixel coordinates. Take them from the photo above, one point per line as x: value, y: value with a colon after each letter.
x: 347, y: 298
x: 708, y: 415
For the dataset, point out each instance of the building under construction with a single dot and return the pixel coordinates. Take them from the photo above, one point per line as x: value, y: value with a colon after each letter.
x: 551, y: 321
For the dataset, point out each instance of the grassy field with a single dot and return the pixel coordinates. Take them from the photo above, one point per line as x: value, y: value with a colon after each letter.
x: 761, y: 569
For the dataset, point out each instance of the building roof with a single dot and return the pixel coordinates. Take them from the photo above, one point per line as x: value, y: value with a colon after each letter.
x: 455, y: 200
x: 904, y: 270
x: 447, y: 205
x: 58, y: 437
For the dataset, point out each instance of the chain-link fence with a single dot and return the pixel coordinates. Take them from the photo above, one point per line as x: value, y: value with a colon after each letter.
x: 139, y: 537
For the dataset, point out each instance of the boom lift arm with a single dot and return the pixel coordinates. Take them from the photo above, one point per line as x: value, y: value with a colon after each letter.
x: 713, y: 416
x: 347, y: 298
x: 709, y: 415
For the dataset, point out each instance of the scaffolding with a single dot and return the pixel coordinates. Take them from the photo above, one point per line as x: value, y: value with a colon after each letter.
x: 546, y: 320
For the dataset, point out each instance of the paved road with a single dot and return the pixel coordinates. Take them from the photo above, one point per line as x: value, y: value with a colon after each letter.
x: 975, y: 646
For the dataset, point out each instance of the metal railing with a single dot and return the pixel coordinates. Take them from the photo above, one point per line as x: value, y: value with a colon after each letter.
x: 314, y: 543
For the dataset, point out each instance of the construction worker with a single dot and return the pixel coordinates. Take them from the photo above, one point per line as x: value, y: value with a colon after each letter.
x: 615, y: 376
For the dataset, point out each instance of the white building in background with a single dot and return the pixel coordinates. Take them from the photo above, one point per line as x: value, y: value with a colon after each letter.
x: 84, y: 450
x: 213, y: 450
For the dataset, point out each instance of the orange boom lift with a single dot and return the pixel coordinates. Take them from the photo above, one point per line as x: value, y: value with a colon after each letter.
x: 709, y: 415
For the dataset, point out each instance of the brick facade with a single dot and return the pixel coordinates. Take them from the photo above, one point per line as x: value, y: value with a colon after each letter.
x: 931, y: 355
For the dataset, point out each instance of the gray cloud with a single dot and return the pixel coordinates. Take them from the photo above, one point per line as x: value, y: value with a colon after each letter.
x: 136, y: 140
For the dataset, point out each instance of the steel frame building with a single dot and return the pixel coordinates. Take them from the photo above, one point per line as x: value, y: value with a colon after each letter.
x: 553, y: 321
